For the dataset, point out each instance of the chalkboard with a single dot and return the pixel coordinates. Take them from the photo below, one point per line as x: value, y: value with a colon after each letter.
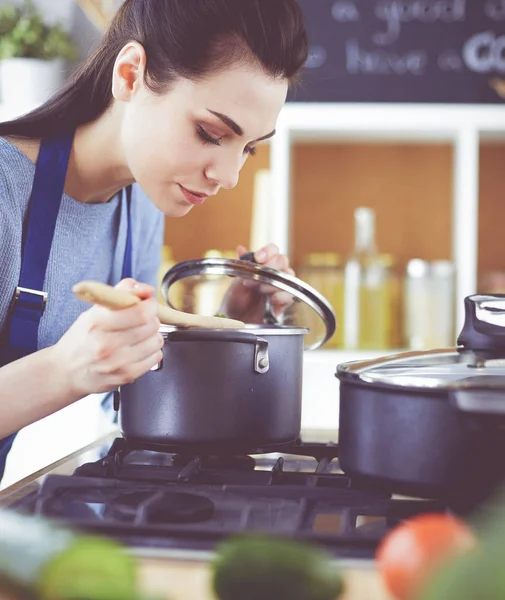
x: 450, y: 51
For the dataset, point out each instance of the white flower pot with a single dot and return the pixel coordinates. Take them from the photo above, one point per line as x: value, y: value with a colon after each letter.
x: 29, y: 82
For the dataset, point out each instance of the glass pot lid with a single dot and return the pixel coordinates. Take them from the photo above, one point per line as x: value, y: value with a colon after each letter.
x: 249, y: 292
x: 478, y: 363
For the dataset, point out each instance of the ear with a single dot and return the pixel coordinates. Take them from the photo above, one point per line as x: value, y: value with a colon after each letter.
x: 129, y: 69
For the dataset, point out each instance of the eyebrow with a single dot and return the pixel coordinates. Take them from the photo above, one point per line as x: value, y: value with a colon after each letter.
x: 236, y: 128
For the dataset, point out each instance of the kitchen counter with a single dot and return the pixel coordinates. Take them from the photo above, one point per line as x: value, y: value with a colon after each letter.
x: 180, y: 580
x: 175, y: 576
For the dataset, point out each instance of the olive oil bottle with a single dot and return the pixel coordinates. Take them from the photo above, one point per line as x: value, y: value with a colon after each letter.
x: 324, y: 272
x: 368, y: 318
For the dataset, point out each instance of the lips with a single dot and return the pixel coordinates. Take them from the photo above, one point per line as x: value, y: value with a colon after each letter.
x: 193, y: 197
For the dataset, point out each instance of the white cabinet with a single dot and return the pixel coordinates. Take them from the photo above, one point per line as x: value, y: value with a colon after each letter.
x: 463, y: 126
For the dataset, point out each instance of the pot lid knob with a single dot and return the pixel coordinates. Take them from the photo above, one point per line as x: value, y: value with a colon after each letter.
x: 484, y: 326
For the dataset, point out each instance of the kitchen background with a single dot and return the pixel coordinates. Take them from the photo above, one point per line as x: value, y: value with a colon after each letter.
x: 384, y: 183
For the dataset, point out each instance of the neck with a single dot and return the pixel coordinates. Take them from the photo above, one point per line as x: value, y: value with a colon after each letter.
x: 97, y: 168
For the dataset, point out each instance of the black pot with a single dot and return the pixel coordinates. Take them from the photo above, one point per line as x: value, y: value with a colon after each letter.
x: 430, y: 424
x: 235, y: 390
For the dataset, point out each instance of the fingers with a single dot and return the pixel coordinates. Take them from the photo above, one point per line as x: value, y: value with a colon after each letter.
x: 280, y: 262
x: 107, y: 344
x: 266, y: 254
x: 125, y: 363
x: 280, y: 301
x: 137, y: 369
x: 270, y: 256
x: 241, y: 250
x: 142, y: 290
x: 106, y: 348
x: 140, y: 315
x: 144, y: 313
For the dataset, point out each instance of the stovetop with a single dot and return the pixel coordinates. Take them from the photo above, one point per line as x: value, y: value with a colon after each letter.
x: 161, y: 497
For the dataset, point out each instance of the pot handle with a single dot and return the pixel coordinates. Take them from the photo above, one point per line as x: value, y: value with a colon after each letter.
x: 261, y: 358
x: 478, y: 399
x: 116, y: 400
x: 484, y: 326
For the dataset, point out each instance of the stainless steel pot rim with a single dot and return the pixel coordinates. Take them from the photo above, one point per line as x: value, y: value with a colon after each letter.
x: 438, y: 369
x: 249, y: 328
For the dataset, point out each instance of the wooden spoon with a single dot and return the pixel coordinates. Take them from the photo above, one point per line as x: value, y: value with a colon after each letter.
x: 96, y: 292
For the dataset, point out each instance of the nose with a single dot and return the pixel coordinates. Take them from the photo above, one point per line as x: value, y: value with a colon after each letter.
x: 224, y: 170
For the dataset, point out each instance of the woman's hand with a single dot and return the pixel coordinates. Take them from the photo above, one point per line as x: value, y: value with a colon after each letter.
x: 270, y: 256
x: 246, y: 299
x: 106, y: 348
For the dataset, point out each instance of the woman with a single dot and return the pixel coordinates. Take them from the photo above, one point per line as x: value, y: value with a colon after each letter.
x: 174, y: 100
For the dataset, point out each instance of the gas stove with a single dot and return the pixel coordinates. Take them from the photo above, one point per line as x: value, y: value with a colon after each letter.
x: 172, y: 499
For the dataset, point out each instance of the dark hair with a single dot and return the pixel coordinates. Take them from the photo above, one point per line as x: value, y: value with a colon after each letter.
x: 181, y: 38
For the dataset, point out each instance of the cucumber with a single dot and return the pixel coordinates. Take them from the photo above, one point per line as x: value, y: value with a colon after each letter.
x: 59, y: 564
x: 263, y: 567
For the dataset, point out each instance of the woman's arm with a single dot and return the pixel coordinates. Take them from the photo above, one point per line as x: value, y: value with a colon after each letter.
x: 32, y: 388
x: 102, y: 350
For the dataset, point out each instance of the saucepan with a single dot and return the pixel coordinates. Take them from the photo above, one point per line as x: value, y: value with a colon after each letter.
x: 432, y: 423
x: 237, y: 389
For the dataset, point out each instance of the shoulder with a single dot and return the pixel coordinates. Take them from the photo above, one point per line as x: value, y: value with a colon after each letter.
x: 16, y: 178
x: 12, y: 156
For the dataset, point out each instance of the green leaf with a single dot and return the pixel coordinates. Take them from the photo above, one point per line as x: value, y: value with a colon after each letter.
x: 24, y: 34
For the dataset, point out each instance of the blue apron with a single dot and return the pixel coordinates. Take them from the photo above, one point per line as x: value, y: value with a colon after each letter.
x: 29, y: 302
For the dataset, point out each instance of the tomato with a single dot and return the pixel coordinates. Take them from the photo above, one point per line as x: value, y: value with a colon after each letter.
x: 410, y: 552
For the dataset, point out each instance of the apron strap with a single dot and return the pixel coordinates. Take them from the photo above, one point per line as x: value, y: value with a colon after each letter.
x: 5, y: 447
x: 48, y: 184
x: 30, y: 299
x: 128, y: 258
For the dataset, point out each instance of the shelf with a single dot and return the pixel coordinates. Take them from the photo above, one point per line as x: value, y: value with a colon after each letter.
x: 336, y: 357
x: 462, y: 126
x: 391, y: 122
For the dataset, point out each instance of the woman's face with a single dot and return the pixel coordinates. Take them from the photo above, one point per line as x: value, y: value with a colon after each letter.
x: 188, y: 143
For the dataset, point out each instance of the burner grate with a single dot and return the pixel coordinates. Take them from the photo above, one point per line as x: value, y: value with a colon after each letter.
x: 180, y: 500
x: 133, y: 460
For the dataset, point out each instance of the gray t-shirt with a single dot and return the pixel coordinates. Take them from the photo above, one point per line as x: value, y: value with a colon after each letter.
x: 89, y: 243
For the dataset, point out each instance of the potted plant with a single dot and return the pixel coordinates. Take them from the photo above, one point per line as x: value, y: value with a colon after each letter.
x: 32, y: 55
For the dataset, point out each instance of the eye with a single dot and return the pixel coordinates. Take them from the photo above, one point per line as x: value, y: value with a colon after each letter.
x: 206, y: 137
x: 209, y: 139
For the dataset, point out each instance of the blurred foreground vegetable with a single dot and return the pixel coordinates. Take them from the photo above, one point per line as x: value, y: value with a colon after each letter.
x: 51, y: 562
x: 259, y: 567
x: 480, y: 575
x: 411, y: 552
